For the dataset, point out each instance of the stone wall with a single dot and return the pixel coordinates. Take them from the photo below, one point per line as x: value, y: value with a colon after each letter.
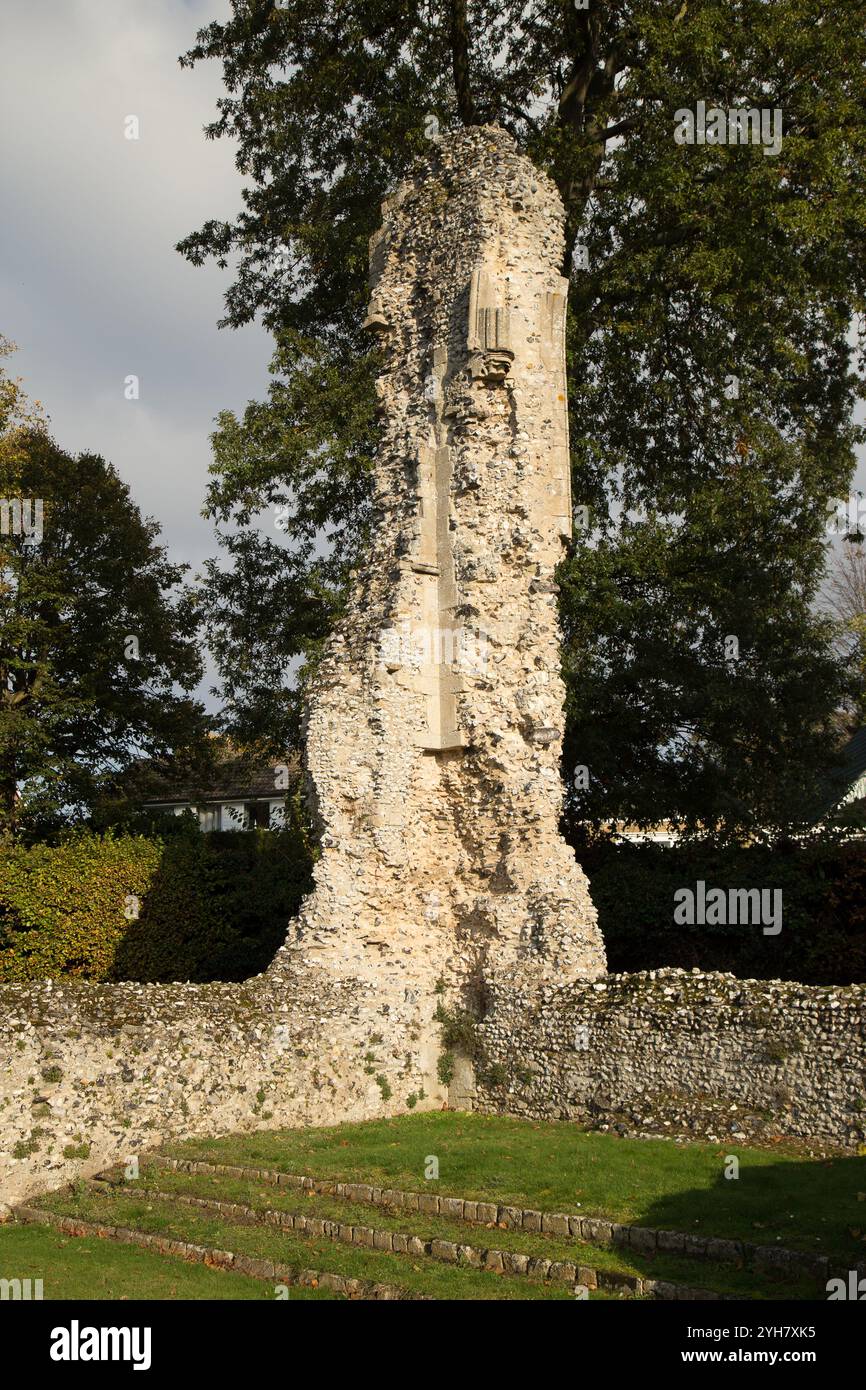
x: 97, y: 1073
x: 93, y: 1074
x: 679, y: 1052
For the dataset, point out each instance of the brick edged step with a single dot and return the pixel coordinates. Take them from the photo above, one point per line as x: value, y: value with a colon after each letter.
x: 643, y: 1240
x: 449, y: 1252
x: 218, y: 1259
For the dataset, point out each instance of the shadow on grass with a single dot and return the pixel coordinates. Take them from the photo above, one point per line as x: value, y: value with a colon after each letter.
x: 817, y: 1207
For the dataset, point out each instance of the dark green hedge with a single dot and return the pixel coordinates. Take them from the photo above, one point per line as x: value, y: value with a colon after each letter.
x: 823, y: 936
x: 215, y: 907
x: 212, y: 907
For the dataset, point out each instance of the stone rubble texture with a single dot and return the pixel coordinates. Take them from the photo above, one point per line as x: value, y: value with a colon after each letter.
x: 435, y: 738
x: 433, y: 755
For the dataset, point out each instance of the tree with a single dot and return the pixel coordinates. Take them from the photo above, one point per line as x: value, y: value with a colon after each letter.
x: 711, y: 383
x: 98, y: 649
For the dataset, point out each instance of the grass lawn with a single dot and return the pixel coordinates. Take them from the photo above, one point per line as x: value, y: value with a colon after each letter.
x: 816, y: 1205
x: 417, y: 1275
x: 721, y: 1277
x: 89, y: 1268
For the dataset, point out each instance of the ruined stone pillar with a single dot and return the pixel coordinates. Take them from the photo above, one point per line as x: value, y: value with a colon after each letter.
x: 435, y: 732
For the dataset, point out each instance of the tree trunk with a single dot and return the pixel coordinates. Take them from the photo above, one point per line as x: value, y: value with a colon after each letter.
x: 8, y: 800
x: 459, y: 37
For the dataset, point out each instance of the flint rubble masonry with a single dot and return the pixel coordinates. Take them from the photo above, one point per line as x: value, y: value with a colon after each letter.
x: 437, y: 781
x: 682, y: 1052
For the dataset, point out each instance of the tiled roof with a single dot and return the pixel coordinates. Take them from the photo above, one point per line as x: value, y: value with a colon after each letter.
x: 231, y: 779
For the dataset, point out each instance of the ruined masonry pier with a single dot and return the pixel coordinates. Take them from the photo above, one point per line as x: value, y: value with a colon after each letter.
x: 435, y: 734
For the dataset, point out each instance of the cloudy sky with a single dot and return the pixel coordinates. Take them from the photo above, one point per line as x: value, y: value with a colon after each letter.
x: 91, y: 288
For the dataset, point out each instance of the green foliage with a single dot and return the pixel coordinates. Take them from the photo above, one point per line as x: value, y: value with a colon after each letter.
x: 459, y: 1034
x: 458, y: 1030
x: 25, y: 1148
x: 823, y: 936
x: 212, y: 907
x: 81, y: 1150
x: 494, y: 1075
x: 707, y: 509
x: 62, y: 906
x: 317, y: 486
x: 79, y: 700
x: 445, y: 1067
x: 218, y: 909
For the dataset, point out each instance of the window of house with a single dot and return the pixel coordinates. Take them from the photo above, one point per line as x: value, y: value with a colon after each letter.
x: 234, y: 816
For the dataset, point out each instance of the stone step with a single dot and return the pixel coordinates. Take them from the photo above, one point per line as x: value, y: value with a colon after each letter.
x: 219, y: 1259
x: 642, y: 1240
x: 496, y: 1261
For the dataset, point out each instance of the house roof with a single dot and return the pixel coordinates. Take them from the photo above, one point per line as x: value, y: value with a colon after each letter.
x: 231, y: 778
